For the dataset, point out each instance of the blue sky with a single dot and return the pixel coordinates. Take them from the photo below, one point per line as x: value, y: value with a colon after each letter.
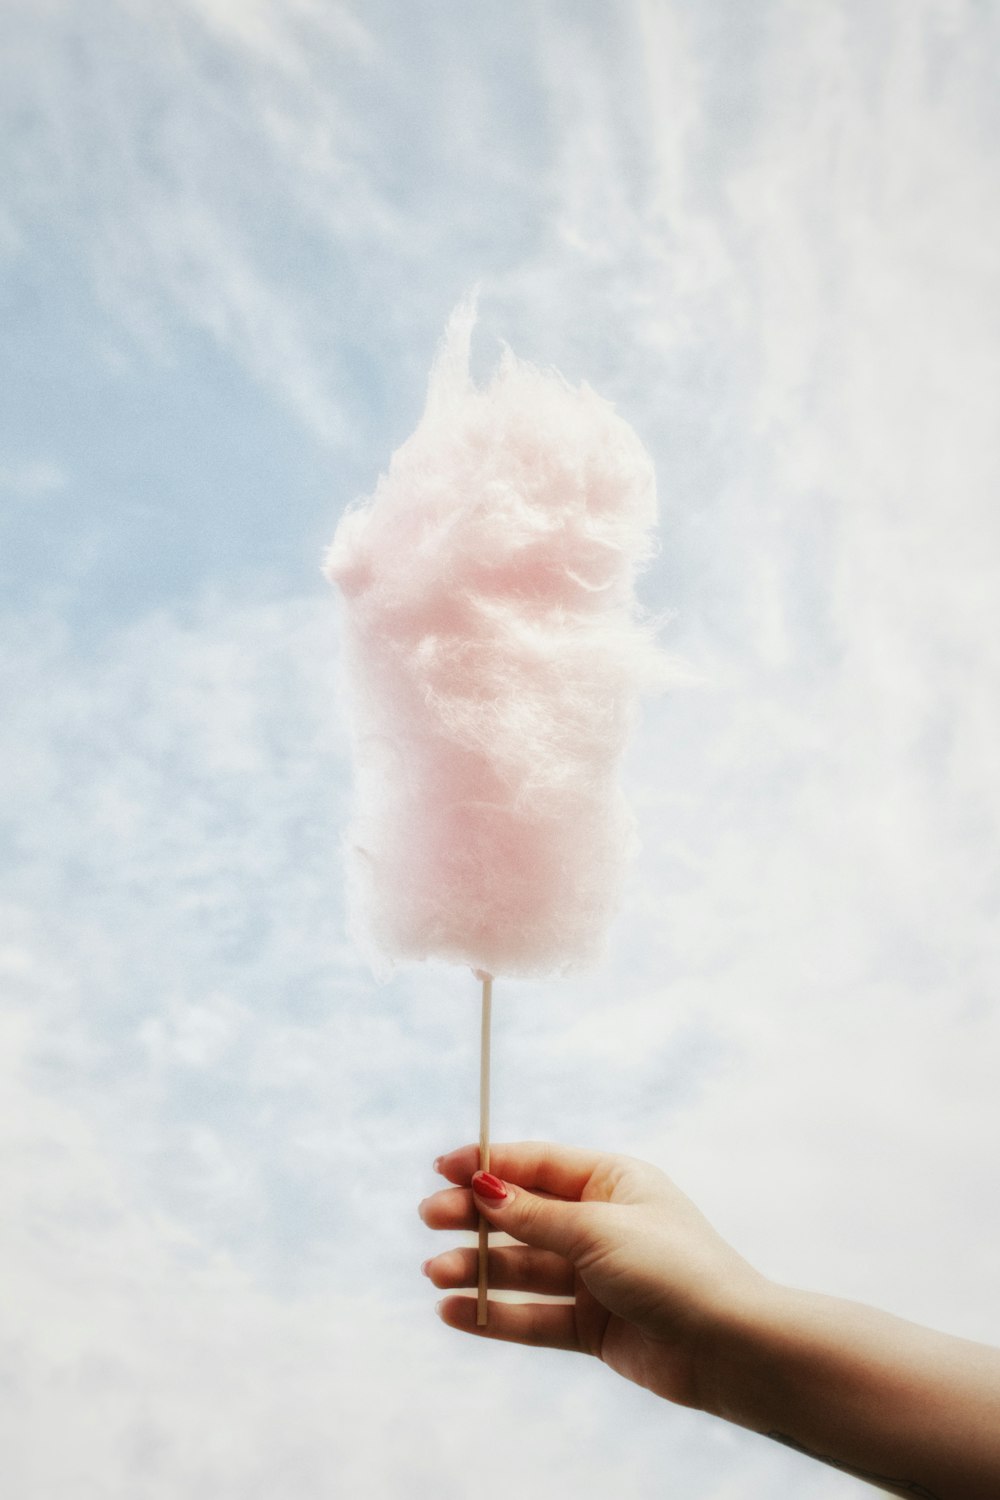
x: 231, y: 232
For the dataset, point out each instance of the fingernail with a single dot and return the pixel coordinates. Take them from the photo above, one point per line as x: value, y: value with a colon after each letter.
x: 437, y: 1164
x: 423, y: 1268
x: 485, y: 1185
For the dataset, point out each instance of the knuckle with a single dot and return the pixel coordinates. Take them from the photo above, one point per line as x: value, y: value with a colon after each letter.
x: 535, y: 1331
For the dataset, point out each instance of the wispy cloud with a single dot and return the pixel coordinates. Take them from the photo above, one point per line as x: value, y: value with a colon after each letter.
x: 32, y: 480
x: 764, y: 236
x: 217, y: 1132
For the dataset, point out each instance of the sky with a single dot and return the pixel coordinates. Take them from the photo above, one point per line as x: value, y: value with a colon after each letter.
x: 231, y: 234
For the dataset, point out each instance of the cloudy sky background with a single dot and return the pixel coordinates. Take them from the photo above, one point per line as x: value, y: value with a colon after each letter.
x: 231, y: 232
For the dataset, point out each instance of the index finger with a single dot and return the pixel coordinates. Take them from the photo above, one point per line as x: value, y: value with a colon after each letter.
x: 539, y: 1166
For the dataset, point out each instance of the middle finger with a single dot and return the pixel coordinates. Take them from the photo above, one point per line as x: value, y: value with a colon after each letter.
x: 511, y: 1268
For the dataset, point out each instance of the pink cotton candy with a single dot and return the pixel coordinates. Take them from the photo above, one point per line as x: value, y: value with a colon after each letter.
x: 495, y: 659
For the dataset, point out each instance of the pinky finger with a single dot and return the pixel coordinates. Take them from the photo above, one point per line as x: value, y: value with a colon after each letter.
x: 545, y: 1325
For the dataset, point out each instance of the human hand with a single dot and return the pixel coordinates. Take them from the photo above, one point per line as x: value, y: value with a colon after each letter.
x: 652, y: 1283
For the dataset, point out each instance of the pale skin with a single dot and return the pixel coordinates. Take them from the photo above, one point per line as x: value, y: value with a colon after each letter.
x: 661, y: 1298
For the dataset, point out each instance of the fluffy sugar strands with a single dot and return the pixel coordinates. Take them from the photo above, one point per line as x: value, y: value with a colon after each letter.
x: 495, y: 658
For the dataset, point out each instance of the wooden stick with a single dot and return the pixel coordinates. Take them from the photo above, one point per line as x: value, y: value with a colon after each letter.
x: 484, y: 1143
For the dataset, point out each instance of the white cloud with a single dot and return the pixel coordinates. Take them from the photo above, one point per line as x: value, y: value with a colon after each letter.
x: 217, y: 1128
x: 216, y: 1146
x: 32, y: 479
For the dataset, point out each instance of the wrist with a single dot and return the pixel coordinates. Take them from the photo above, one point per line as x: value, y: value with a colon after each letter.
x: 732, y: 1356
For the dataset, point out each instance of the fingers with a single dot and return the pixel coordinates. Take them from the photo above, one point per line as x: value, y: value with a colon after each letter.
x: 511, y: 1269
x: 548, y: 1325
x: 536, y: 1165
x: 546, y: 1223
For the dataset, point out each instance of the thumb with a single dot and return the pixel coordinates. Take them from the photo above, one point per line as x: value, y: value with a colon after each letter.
x: 545, y: 1223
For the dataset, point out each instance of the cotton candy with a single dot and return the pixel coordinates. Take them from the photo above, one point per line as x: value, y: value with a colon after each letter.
x: 494, y: 656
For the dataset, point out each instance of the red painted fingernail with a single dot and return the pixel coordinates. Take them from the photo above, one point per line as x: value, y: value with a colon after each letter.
x: 485, y: 1185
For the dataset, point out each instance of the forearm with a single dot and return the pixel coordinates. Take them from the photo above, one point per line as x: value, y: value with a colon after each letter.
x: 913, y: 1411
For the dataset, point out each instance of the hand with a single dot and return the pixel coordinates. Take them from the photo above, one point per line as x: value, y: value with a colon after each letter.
x: 651, y: 1281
